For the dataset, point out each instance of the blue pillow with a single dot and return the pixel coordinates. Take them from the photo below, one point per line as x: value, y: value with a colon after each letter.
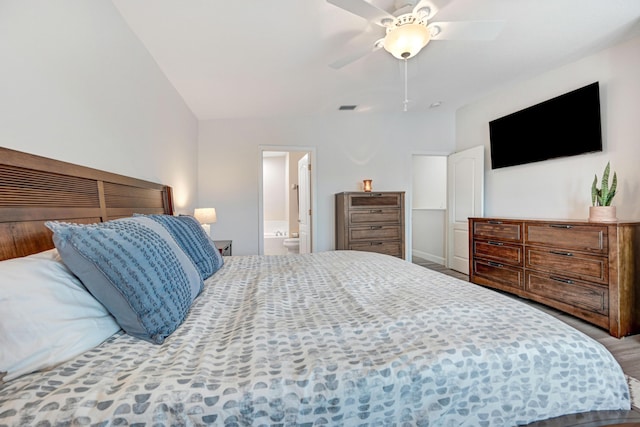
x: 194, y: 241
x: 135, y: 269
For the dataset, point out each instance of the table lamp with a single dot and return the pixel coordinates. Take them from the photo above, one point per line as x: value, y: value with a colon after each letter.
x: 206, y: 217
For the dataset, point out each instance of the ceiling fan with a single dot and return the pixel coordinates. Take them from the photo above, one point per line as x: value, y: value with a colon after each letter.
x: 408, y: 27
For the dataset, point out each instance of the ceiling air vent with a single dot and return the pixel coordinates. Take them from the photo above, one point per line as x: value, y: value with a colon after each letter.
x: 347, y: 107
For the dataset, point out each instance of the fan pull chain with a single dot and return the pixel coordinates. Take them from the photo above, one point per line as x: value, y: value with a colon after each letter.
x: 406, y: 90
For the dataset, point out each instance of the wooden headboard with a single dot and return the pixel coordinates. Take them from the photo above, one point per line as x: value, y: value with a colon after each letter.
x: 36, y: 189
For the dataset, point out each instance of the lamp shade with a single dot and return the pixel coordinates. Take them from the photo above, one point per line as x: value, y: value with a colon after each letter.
x: 205, y: 215
x: 407, y: 40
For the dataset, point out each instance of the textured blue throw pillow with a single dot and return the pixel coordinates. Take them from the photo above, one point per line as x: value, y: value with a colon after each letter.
x: 135, y: 269
x: 191, y: 237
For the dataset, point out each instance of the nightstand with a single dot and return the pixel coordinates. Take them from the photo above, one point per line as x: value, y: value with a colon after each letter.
x: 224, y: 246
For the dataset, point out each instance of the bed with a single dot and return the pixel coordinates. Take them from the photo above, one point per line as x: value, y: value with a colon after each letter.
x: 330, y: 338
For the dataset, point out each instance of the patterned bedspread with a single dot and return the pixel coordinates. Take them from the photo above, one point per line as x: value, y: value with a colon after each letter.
x: 333, y: 338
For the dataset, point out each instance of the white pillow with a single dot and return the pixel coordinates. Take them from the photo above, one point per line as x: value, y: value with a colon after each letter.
x: 47, y: 315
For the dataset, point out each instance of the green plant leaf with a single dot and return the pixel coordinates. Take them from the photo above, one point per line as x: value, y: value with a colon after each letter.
x: 603, y: 196
x: 612, y: 190
x: 604, y: 188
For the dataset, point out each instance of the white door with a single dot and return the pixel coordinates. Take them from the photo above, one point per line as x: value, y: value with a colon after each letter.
x: 465, y: 198
x: 304, y: 197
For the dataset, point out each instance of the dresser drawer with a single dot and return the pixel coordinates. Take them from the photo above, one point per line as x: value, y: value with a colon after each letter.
x: 375, y: 232
x: 378, y: 216
x: 387, y: 248
x: 498, y: 275
x: 372, y: 200
x: 575, y: 293
x: 572, y: 264
x: 498, y: 229
x: 589, y: 238
x: 498, y: 251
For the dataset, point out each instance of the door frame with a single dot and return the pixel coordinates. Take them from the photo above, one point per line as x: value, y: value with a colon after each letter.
x: 312, y: 188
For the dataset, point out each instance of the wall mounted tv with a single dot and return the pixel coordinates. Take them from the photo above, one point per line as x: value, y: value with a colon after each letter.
x: 566, y: 125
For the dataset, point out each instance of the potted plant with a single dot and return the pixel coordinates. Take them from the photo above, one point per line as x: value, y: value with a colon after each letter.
x: 601, y: 198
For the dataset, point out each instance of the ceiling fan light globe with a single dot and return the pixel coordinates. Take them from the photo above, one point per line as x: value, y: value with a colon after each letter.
x: 407, y: 40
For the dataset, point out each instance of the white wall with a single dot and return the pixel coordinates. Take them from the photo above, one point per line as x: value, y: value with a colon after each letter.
x: 275, y: 190
x: 561, y: 188
x: 78, y: 86
x: 429, y: 182
x: 350, y: 147
x: 428, y: 234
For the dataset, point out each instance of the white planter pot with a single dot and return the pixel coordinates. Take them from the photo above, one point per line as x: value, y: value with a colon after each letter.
x: 602, y: 214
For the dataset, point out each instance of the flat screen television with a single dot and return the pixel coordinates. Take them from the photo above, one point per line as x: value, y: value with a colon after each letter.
x: 566, y: 125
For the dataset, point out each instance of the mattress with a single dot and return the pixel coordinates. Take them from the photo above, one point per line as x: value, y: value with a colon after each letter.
x: 333, y: 338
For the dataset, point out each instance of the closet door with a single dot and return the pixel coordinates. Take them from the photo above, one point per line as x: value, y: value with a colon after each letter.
x: 465, y: 188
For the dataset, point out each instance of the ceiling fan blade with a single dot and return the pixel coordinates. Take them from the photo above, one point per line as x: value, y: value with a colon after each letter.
x: 355, y: 55
x: 466, y: 30
x: 364, y: 9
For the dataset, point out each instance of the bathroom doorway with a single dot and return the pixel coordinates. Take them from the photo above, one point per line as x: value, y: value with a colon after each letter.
x: 286, y: 194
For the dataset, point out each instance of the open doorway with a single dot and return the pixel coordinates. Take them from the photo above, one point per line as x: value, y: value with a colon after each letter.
x: 286, y: 200
x: 429, y: 207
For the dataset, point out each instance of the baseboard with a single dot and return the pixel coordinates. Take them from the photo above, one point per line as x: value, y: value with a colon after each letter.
x: 428, y: 256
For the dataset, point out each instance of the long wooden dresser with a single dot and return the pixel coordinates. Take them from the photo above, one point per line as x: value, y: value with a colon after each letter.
x: 372, y: 222
x: 589, y: 270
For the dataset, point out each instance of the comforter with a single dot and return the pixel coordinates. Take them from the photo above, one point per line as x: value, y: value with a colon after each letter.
x: 334, y: 338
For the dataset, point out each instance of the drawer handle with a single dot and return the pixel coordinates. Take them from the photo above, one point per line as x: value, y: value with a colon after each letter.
x: 494, y: 222
x: 375, y: 194
x: 561, y: 253
x: 495, y: 243
x: 560, y: 226
x: 376, y: 243
x: 495, y: 264
x: 560, y: 279
x: 375, y: 227
x: 375, y: 211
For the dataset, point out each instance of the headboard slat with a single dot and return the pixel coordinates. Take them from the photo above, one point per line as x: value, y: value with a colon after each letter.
x: 25, y: 187
x: 117, y: 195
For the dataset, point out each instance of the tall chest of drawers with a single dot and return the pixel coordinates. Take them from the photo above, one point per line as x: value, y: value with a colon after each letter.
x: 589, y: 270
x: 372, y: 222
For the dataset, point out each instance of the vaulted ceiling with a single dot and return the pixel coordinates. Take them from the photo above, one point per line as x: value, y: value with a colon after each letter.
x: 257, y: 58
